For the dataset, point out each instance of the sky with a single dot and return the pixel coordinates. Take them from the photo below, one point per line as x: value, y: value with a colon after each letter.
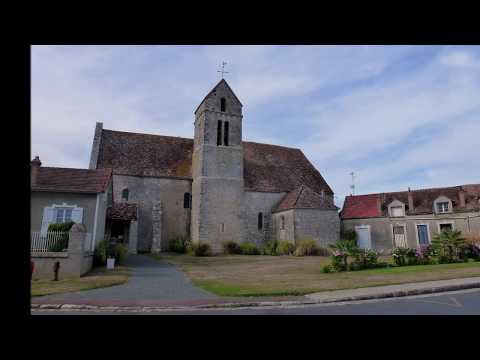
x: 396, y: 116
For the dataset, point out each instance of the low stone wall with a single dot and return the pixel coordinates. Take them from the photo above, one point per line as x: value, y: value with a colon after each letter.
x: 70, y: 266
x: 73, y: 263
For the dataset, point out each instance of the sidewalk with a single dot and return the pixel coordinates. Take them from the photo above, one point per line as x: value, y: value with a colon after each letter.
x: 377, y: 292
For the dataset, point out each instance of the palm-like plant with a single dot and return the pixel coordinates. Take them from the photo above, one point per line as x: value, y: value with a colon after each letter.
x: 346, y: 248
x: 449, y: 244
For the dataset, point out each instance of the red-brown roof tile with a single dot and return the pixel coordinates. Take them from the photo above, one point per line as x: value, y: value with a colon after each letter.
x: 304, y: 198
x: 364, y: 206
x: 122, y: 211
x: 267, y: 168
x: 72, y: 180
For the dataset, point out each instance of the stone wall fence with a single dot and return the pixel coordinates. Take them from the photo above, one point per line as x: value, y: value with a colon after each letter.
x: 76, y: 261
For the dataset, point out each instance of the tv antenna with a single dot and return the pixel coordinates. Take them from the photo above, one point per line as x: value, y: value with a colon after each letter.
x: 353, y: 183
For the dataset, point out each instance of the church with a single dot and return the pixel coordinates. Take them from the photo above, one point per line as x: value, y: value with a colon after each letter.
x: 213, y: 188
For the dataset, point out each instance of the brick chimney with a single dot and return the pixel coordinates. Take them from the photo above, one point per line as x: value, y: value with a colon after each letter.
x: 34, y: 167
x: 410, y: 200
x: 461, y: 196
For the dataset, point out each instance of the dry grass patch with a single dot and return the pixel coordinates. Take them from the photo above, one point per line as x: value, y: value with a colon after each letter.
x: 97, y: 278
x: 241, y: 275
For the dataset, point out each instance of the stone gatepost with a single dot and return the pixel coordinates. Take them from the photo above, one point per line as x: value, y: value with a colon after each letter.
x: 157, y: 227
x: 132, y: 237
x: 79, y: 262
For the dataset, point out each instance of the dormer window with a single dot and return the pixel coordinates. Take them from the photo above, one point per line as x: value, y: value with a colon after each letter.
x: 442, y: 207
x: 396, y: 211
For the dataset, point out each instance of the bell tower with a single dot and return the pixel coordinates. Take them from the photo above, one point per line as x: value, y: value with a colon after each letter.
x: 217, y: 169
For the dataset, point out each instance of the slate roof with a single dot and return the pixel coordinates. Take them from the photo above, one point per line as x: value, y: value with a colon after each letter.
x: 122, y: 211
x: 56, y: 179
x: 375, y: 205
x: 267, y: 168
x: 304, y: 198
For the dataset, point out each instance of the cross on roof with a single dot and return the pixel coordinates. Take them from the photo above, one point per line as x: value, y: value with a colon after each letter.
x: 223, y: 69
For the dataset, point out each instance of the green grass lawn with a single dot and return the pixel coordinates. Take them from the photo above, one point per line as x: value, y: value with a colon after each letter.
x: 97, y: 278
x: 243, y: 275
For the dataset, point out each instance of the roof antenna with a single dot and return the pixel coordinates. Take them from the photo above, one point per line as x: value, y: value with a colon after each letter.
x: 353, y: 183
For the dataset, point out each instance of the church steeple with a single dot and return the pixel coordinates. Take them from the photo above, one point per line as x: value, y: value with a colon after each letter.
x: 217, y: 168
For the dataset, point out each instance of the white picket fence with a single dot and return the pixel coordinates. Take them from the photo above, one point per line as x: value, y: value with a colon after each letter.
x: 44, y: 242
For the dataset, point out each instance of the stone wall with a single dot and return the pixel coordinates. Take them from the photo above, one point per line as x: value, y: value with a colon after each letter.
x: 255, y: 203
x: 73, y: 263
x: 382, y: 228
x: 144, y: 191
x: 321, y: 225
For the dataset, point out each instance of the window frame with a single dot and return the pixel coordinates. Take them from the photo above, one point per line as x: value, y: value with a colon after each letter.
x: 260, y: 221
x: 441, y: 204
x: 223, y: 104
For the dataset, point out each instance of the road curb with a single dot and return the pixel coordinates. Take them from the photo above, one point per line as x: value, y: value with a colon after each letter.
x: 391, y: 294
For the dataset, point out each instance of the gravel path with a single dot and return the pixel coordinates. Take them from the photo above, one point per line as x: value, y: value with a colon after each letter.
x: 150, y: 280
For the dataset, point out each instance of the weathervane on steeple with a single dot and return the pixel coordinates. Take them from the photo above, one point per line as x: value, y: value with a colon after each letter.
x: 223, y: 69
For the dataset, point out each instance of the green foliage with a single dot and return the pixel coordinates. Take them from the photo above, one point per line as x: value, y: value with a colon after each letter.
x: 365, y: 259
x: 249, y: 248
x: 61, y: 226
x: 231, y: 247
x: 450, y: 246
x: 327, y: 269
x: 306, y: 247
x: 285, y: 248
x: 350, y: 235
x: 403, y: 256
x: 324, y: 251
x: 200, y: 248
x: 341, y: 251
x: 100, y: 253
x: 120, y: 253
x: 270, y: 248
x: 179, y: 244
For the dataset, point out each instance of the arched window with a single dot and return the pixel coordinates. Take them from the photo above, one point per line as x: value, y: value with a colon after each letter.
x: 219, y: 132
x: 223, y: 104
x: 260, y: 221
x: 125, y: 194
x: 187, y: 200
x: 225, y: 133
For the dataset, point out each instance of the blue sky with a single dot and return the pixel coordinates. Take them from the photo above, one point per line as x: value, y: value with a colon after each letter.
x: 398, y: 116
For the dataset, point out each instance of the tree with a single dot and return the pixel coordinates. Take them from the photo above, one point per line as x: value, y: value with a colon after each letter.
x: 449, y: 245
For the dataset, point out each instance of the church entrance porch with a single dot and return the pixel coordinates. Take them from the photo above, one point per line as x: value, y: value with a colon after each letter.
x: 122, y: 224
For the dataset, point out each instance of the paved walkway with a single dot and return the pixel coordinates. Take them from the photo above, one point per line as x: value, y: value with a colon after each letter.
x: 151, y: 281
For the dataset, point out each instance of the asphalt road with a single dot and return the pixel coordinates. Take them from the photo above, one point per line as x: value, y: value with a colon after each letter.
x: 465, y: 302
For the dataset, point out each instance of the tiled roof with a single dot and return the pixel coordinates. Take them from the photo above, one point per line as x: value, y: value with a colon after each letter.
x: 122, y: 211
x: 364, y: 206
x: 72, y: 180
x: 267, y: 168
x: 304, y: 198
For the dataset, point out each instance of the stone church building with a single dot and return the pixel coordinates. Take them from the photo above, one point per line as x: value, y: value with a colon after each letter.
x: 214, y: 187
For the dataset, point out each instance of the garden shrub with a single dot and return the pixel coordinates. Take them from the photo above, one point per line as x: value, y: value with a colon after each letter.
x: 100, y: 253
x: 342, y: 249
x: 231, y: 247
x: 324, y: 251
x: 200, y: 248
x: 120, y: 253
x: 472, y: 241
x: 306, y: 247
x: 285, y: 248
x: 404, y: 256
x: 62, y: 242
x: 327, y: 269
x: 365, y: 259
x: 270, y: 248
x: 179, y: 244
x: 249, y: 248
